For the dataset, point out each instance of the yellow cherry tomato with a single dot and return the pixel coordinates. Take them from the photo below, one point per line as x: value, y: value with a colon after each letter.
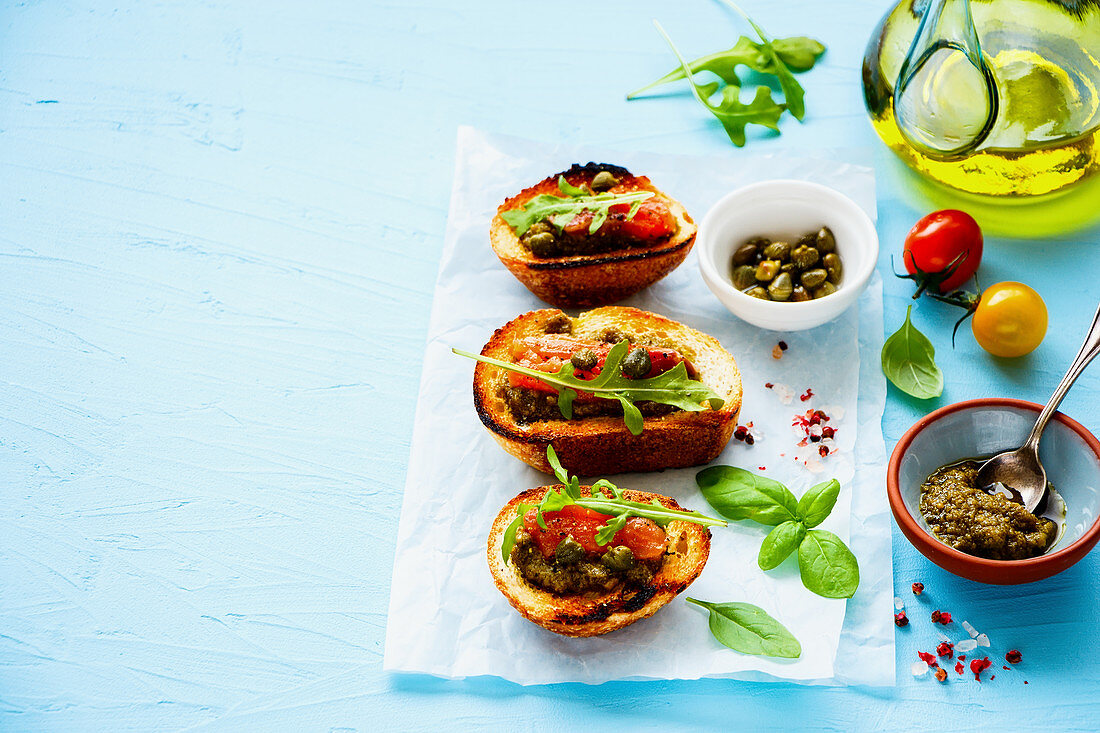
x: 1011, y: 319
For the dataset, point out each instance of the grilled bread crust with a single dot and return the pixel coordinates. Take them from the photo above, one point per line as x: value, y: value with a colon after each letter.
x: 601, y: 446
x: 581, y: 281
x: 596, y: 614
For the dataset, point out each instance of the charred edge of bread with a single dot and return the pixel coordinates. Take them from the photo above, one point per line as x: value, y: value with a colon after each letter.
x: 597, y: 614
x: 603, y: 445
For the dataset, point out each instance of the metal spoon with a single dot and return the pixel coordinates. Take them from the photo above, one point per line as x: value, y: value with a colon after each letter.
x: 1020, y: 470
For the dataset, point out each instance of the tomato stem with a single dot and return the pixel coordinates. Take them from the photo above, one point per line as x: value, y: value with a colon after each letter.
x: 925, y: 279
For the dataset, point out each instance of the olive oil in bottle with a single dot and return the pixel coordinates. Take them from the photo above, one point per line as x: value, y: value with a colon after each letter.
x: 1036, y: 131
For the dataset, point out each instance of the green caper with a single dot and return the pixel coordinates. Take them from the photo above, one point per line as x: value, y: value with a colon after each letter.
x: 539, y: 227
x: 584, y: 359
x: 826, y: 242
x: 805, y: 257
x: 745, y: 254
x: 767, y: 270
x: 781, y: 287
x: 799, y: 294
x: 778, y: 251
x: 788, y: 267
x: 826, y: 288
x: 560, y: 323
x: 569, y: 551
x: 619, y: 559
x: 541, y: 244
x: 637, y: 363
x: 833, y: 266
x: 812, y: 278
x: 758, y: 292
x: 611, y: 336
x: 603, y: 181
x: 744, y: 277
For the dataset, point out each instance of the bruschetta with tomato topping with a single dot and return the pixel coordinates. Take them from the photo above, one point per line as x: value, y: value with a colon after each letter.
x: 614, y: 389
x: 591, y: 235
x: 558, y: 569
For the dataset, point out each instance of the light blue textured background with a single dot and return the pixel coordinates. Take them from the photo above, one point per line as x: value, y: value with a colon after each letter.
x: 219, y: 231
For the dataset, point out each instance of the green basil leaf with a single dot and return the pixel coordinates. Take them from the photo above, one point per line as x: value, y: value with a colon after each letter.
x: 739, y: 494
x: 731, y: 112
x: 779, y: 544
x: 817, y: 502
x: 748, y: 629
x: 827, y: 566
x: 908, y: 360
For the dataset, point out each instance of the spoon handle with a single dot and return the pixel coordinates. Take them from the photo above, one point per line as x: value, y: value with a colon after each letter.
x: 1088, y: 352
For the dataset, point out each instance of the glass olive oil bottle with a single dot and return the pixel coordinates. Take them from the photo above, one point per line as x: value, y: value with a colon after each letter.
x: 993, y: 97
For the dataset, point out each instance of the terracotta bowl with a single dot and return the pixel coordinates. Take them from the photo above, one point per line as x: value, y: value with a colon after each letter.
x: 1069, y: 452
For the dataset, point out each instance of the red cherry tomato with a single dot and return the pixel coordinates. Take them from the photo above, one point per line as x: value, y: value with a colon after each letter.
x: 645, y: 538
x: 937, y: 242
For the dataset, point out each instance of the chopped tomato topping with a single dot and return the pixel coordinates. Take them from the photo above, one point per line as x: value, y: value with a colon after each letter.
x: 643, y: 537
x: 652, y: 220
x: 547, y: 353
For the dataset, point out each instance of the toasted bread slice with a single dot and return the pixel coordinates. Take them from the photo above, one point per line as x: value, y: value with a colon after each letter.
x: 600, y: 446
x: 591, y: 279
x: 596, y: 614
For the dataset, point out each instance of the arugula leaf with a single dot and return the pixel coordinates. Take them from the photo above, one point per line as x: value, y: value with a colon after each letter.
x: 611, y: 502
x: 748, y: 629
x: 799, y: 53
x: 793, y: 93
x: 510, y: 532
x: 731, y: 111
x: 779, y: 544
x: 818, y: 501
x: 739, y: 494
x: 560, y: 211
x: 827, y: 566
x: 908, y: 360
x: 673, y: 387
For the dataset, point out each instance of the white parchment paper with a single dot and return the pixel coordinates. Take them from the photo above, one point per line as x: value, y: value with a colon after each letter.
x: 446, y: 617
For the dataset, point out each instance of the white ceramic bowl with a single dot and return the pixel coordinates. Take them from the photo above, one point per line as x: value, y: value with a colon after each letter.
x: 786, y: 209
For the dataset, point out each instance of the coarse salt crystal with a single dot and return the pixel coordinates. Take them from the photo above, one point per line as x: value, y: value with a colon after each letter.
x: 784, y: 393
x: 943, y: 636
x: 966, y: 645
x: 982, y: 640
x: 969, y: 629
x: 918, y: 668
x: 898, y: 603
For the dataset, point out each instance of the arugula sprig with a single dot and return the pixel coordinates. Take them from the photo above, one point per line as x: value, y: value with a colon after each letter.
x: 799, y: 53
x: 778, y: 58
x: 793, y: 93
x: 731, y: 111
x: 559, y: 210
x: 605, y: 498
x: 673, y: 387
